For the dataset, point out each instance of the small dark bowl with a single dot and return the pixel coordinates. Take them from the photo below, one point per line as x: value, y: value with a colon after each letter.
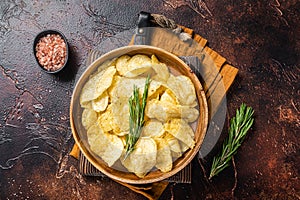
x: 45, y: 33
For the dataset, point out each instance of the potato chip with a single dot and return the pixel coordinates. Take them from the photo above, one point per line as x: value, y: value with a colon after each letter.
x: 122, y: 64
x: 87, y: 104
x: 120, y: 114
x: 106, y: 64
x: 108, y: 147
x: 183, y: 147
x: 183, y: 88
x: 162, y: 72
x: 152, y: 128
x: 97, y: 84
x: 173, y: 144
x: 113, y: 85
x: 181, y: 130
x: 105, y: 80
x: 189, y: 114
x: 124, y: 87
x: 88, y: 91
x: 105, y: 120
x: 154, y: 59
x: 155, y: 111
x: 143, y: 158
x: 101, y: 102
x: 169, y: 97
x: 164, y: 110
x: 88, y: 118
x: 137, y: 65
x: 163, y: 158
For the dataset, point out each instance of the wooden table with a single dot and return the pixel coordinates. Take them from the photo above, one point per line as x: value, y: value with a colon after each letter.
x: 260, y: 38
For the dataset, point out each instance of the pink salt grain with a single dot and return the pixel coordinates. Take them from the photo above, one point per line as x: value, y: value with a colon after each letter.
x: 51, y: 52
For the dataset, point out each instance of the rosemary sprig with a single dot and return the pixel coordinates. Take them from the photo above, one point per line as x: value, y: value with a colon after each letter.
x: 239, y: 126
x: 136, y: 117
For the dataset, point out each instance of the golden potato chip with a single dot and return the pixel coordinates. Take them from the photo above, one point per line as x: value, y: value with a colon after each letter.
x: 164, y: 160
x: 152, y: 128
x: 154, y: 59
x: 106, y: 64
x: 162, y: 76
x: 183, y: 89
x: 101, y: 102
x: 115, y: 83
x: 137, y: 65
x: 143, y: 158
x: 122, y: 64
x: 183, y: 147
x: 108, y: 147
x: 105, y: 80
x: 120, y: 114
x: 87, y: 104
x: 105, y: 120
x: 173, y: 144
x: 155, y: 111
x: 181, y: 130
x: 88, y: 118
x: 88, y: 91
x: 124, y: 87
x: 164, y: 110
x: 169, y: 96
x: 189, y: 114
x: 97, y: 84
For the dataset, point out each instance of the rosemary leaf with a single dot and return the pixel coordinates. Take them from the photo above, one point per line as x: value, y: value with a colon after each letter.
x: 136, y: 117
x: 239, y: 126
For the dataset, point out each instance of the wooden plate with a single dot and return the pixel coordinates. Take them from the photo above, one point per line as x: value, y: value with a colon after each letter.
x: 176, y: 65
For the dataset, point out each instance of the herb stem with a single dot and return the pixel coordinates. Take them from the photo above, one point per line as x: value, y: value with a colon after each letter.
x: 136, y: 117
x: 239, y: 126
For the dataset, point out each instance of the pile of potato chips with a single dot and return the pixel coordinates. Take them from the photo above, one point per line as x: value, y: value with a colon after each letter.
x: 171, y: 108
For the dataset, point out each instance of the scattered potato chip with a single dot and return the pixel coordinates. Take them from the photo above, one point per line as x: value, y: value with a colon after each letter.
x: 88, y: 118
x: 108, y: 147
x: 143, y: 158
x: 181, y: 130
x: 101, y: 102
x: 152, y: 128
x: 164, y: 160
x: 183, y: 88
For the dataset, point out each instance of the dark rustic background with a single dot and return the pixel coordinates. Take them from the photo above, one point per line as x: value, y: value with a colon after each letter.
x: 260, y: 38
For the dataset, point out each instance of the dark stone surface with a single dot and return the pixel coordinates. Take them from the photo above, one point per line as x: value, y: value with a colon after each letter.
x: 260, y: 38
